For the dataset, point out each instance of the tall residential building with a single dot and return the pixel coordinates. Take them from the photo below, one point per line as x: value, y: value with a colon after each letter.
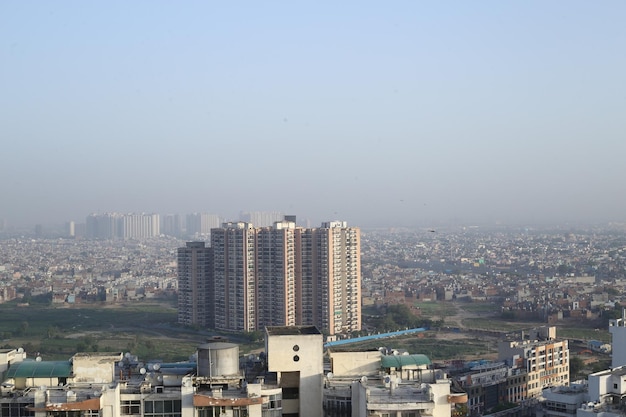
x: 139, y: 226
x: 172, y: 225
x: 70, y: 229
x: 102, y: 226
x: 196, y: 292
x: 262, y: 218
x: 285, y: 275
x: 234, y: 249
x: 122, y: 226
x: 338, y: 258
x: 276, y: 275
x: 201, y: 223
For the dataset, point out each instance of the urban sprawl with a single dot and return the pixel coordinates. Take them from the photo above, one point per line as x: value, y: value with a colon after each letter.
x: 313, y: 293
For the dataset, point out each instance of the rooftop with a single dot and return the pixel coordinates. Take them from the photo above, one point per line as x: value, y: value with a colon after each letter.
x: 399, y: 361
x: 292, y: 330
x: 40, y: 369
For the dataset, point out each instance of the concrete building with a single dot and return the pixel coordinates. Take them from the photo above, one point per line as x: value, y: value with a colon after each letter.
x: 545, y: 359
x: 333, y: 279
x: 491, y: 384
x: 196, y: 289
x: 139, y: 226
x: 261, y: 218
x: 286, y: 275
x: 210, y: 384
x: 276, y: 275
x: 372, y: 384
x: 617, y: 328
x: 296, y: 355
x: 234, y: 254
x: 172, y: 225
x: 122, y: 226
x: 200, y: 224
x: 563, y: 401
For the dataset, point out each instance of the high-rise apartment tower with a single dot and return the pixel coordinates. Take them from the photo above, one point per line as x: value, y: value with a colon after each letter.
x: 282, y: 275
x: 196, y: 292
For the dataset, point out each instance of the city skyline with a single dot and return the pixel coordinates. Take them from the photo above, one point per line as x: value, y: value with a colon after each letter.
x: 410, y: 114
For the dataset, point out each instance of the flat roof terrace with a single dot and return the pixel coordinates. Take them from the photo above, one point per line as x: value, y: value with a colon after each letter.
x: 291, y: 330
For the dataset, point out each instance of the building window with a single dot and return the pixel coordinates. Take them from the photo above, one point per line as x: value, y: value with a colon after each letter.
x: 16, y: 410
x: 272, y: 408
x: 131, y: 407
x: 162, y: 408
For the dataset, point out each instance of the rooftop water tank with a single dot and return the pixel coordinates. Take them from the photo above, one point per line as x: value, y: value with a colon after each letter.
x: 218, y: 359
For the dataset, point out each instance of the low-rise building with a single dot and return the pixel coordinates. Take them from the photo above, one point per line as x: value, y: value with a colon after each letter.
x: 372, y: 384
x: 545, y: 359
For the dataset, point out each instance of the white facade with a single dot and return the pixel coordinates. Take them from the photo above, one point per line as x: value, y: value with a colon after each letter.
x: 361, y: 384
x: 563, y: 401
x: 617, y: 328
x: 296, y: 355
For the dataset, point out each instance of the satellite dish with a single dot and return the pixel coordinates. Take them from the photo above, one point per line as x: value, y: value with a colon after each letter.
x: 160, y: 378
x: 387, y: 379
x: 364, y: 379
x: 20, y: 350
x: 142, y: 371
x: 330, y: 375
x: 156, y: 366
x: 38, y: 359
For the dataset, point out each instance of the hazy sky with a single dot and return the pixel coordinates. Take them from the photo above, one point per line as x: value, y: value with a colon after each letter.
x: 378, y: 113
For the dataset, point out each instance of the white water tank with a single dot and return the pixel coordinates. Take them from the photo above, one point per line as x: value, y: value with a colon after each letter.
x: 218, y: 359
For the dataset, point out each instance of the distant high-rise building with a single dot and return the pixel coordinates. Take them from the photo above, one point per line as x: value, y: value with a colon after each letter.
x: 139, y: 226
x: 102, y: 226
x: 285, y: 275
x: 276, y: 275
x: 201, y: 223
x: 262, y: 218
x: 172, y: 225
x: 122, y: 226
x: 329, y: 281
x: 196, y: 291
x: 70, y: 229
x: 234, y: 272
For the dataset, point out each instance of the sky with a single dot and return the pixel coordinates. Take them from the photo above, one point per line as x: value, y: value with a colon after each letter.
x: 402, y: 113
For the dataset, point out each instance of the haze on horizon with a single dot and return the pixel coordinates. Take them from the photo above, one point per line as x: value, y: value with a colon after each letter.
x: 394, y: 114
